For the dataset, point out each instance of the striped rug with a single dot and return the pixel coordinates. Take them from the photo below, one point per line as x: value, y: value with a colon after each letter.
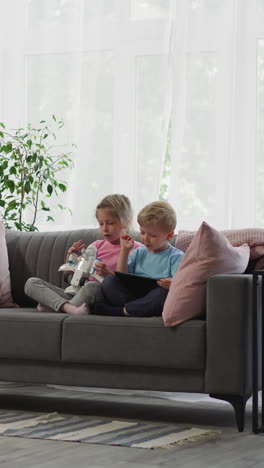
x: 55, y: 426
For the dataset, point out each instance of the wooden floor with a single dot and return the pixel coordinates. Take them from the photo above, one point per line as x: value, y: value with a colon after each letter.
x: 229, y: 449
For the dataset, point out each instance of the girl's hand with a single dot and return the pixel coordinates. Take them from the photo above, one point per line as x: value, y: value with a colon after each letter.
x: 102, y: 269
x: 77, y: 247
x: 127, y: 243
x: 165, y: 283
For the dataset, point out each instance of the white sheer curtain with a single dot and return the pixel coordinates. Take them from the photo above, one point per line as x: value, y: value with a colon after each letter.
x: 118, y: 72
x: 102, y: 66
x: 217, y: 138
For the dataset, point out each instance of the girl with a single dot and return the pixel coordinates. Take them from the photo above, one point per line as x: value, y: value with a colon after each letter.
x: 114, y: 215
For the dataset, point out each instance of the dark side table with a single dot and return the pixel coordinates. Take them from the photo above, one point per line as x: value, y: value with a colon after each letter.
x: 258, y: 350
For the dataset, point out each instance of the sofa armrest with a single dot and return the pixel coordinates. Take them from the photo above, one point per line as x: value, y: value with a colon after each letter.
x: 229, y: 334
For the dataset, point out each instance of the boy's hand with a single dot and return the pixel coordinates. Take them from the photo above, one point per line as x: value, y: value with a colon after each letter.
x: 102, y: 269
x: 77, y: 247
x: 165, y: 283
x: 127, y: 243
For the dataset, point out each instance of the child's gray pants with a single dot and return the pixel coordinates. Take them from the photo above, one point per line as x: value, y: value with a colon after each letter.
x: 53, y: 296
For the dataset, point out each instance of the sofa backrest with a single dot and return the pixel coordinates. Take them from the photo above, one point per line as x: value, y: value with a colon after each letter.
x: 40, y: 254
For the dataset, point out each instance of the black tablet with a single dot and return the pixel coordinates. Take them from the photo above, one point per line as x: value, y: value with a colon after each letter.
x: 137, y: 283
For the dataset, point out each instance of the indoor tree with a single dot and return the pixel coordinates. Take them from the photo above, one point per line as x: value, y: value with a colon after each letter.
x: 31, y: 169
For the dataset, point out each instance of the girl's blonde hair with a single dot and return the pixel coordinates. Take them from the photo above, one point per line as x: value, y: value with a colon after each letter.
x: 158, y: 213
x: 119, y: 206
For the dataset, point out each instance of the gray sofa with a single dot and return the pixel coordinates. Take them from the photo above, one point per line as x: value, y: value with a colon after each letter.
x: 211, y: 355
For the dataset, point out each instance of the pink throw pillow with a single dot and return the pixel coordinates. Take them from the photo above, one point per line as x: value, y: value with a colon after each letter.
x: 254, y: 237
x: 259, y: 264
x: 209, y: 253
x: 6, y: 299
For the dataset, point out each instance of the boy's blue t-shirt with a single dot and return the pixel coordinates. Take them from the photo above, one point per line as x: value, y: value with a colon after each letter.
x: 156, y: 265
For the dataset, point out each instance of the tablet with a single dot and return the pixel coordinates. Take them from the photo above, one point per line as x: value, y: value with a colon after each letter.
x: 137, y: 283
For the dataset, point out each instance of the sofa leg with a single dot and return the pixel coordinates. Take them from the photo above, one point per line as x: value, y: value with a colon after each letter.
x: 239, y: 404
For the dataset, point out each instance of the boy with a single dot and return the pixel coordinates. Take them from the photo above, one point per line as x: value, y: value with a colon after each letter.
x: 156, y: 258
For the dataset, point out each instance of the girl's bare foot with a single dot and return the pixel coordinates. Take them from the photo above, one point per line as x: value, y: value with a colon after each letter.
x: 43, y: 308
x: 75, y: 310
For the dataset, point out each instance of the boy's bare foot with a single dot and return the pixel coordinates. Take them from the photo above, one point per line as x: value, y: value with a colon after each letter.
x: 75, y: 310
x: 43, y: 308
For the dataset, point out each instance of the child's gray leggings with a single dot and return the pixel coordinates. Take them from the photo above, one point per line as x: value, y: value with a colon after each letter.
x: 53, y: 296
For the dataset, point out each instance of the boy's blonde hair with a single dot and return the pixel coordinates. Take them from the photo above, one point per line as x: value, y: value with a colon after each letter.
x: 119, y: 206
x: 159, y: 213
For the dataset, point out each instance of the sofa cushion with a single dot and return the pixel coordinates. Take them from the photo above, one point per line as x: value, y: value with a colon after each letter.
x: 254, y: 237
x: 133, y: 341
x: 210, y: 253
x: 27, y: 334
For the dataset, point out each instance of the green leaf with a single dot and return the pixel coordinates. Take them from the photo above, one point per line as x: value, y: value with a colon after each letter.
x: 50, y: 189
x: 7, y: 148
x: 1, y: 134
x: 18, y: 226
x: 32, y: 228
x: 49, y: 218
x: 13, y: 170
x: 54, y: 118
x: 62, y: 187
x: 2, y: 125
x: 11, y: 185
x: 27, y: 186
x: 43, y: 206
x: 39, y: 163
x: 11, y: 205
x: 63, y: 163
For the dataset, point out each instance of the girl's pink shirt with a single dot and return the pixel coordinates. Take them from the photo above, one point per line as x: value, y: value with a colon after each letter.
x: 108, y: 253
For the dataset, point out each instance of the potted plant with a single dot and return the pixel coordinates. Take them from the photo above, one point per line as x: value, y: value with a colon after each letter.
x: 31, y: 167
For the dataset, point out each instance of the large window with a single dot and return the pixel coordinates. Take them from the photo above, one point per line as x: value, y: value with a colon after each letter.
x: 217, y: 116
x: 103, y: 67
x: 164, y: 99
